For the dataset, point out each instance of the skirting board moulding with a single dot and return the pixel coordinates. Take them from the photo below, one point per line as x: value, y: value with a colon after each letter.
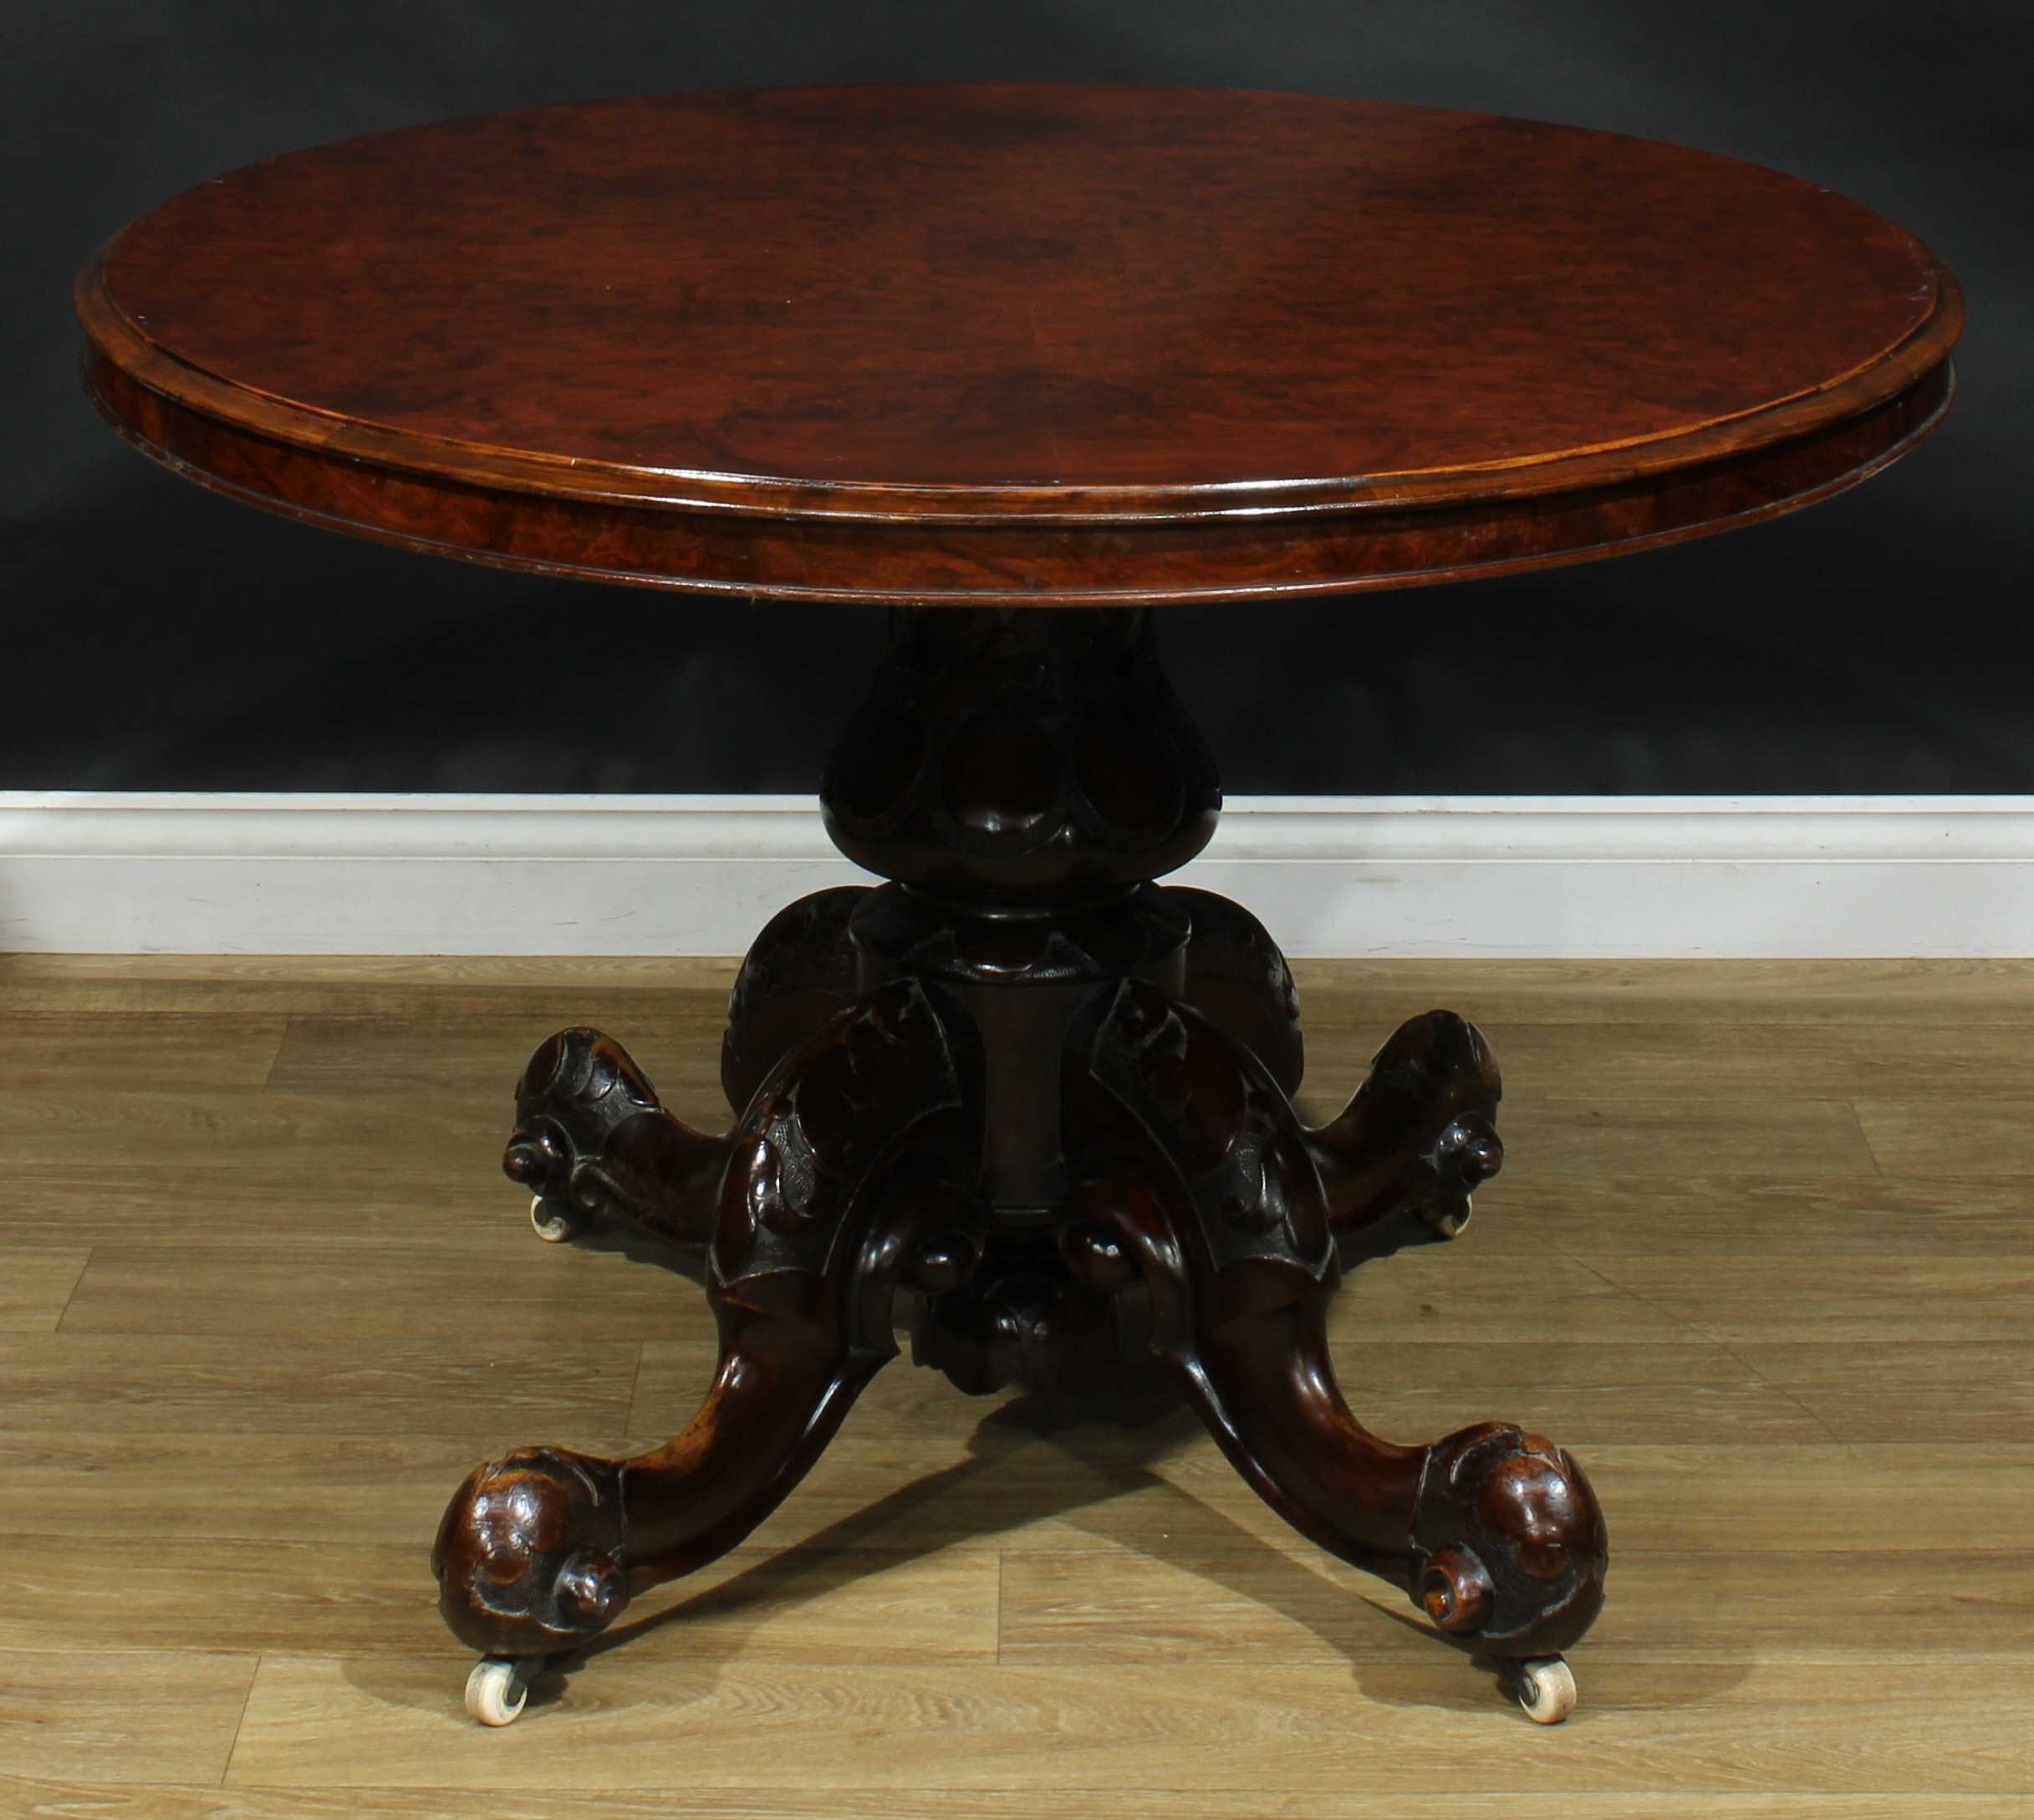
x: 1605, y: 877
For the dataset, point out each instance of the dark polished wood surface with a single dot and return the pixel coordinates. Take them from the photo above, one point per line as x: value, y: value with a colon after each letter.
x: 1018, y: 343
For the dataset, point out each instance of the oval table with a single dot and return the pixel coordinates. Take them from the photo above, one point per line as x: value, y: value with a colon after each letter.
x: 1023, y: 363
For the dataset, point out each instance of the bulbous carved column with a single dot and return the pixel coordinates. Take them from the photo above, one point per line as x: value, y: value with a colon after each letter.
x: 1014, y: 757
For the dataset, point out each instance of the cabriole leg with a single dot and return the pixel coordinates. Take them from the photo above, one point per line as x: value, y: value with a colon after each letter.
x: 835, y: 1193
x: 1199, y: 1171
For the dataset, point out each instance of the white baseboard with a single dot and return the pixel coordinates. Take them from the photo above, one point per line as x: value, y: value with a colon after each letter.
x: 1582, y: 876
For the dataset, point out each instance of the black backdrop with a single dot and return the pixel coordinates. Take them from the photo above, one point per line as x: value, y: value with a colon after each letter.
x: 158, y: 637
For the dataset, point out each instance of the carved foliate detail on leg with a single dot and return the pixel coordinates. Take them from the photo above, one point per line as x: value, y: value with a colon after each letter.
x: 800, y: 972
x: 817, y: 1127
x: 1220, y: 1121
x: 530, y: 1556
x: 1401, y: 1161
x: 1237, y: 976
x: 1509, y: 1540
x: 591, y: 1136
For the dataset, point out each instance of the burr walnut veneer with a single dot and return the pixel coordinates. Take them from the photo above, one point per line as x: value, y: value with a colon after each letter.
x: 1023, y: 363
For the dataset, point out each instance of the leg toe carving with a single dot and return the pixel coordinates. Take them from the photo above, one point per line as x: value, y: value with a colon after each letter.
x: 591, y: 1136
x: 530, y: 1556
x: 1509, y: 1542
x: 1401, y: 1162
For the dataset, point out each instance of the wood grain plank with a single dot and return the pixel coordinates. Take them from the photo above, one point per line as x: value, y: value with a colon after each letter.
x: 1913, y: 1139
x: 227, y: 1198
x: 123, y: 1717
x: 1727, y: 1723
x: 220, y: 1385
x: 409, y: 989
x: 166, y: 1051
x: 810, y: 1604
x: 1944, y: 1064
x: 199, y: 1122
x: 1673, y: 1137
x: 385, y: 1488
x: 1782, y: 1216
x: 1735, y: 1301
x: 246, y: 1802
x: 1231, y: 1605
x: 1346, y: 993
x: 678, y: 1049
x: 1703, y: 1499
x: 1445, y: 1295
x: 1965, y: 1389
x: 1585, y: 1392
x: 527, y: 1295
x: 36, y: 1285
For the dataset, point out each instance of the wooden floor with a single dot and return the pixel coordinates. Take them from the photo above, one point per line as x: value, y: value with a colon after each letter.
x: 1762, y: 1256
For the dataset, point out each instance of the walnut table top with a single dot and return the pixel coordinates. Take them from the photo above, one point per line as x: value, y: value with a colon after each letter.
x: 1036, y: 343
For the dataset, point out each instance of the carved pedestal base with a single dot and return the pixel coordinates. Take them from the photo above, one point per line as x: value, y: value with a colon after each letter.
x: 1047, y: 1102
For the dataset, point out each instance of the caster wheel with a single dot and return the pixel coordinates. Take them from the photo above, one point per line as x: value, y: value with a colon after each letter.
x: 555, y: 1224
x: 496, y: 1689
x: 1545, y: 1690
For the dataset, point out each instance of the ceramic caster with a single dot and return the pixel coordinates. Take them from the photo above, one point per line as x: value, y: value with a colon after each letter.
x: 554, y: 1223
x: 1545, y: 1690
x: 496, y: 1689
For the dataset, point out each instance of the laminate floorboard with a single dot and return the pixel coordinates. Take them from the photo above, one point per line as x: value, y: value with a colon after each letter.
x: 1761, y: 1253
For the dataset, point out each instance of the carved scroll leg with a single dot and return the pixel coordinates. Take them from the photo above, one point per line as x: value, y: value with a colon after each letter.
x: 542, y: 1550
x: 1495, y: 1532
x: 837, y: 1190
x: 1419, y: 1135
x: 1206, y: 1185
x: 591, y: 1136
